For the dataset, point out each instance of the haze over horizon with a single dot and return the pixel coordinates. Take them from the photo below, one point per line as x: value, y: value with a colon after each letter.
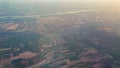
x: 111, y: 3
x: 108, y: 1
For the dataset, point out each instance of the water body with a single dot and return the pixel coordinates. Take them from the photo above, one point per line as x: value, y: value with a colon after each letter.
x: 51, y: 14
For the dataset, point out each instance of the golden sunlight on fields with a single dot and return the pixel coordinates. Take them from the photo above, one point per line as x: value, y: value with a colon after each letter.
x: 13, y: 27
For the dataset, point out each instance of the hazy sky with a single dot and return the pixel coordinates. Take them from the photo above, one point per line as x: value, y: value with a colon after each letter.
x: 105, y: 2
x: 67, y: 0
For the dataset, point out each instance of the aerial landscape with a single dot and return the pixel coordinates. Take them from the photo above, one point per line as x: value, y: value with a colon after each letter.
x: 59, y: 34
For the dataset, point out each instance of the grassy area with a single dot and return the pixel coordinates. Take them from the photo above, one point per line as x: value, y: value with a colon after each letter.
x: 29, y: 40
